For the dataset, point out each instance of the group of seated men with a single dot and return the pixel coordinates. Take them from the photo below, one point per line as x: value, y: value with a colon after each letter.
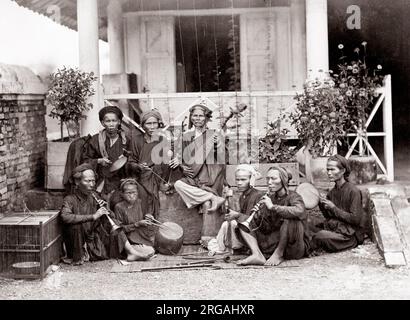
x: 129, y: 196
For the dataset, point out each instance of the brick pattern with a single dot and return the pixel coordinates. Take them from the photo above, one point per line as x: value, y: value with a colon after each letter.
x: 22, y: 149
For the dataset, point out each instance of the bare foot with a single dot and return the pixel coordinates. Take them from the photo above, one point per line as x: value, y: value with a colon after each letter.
x: 274, y: 260
x: 137, y: 257
x: 216, y: 203
x: 252, y: 260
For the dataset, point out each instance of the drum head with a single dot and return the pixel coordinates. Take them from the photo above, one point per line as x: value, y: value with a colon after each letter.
x: 169, y: 238
x: 118, y: 164
x: 309, y: 194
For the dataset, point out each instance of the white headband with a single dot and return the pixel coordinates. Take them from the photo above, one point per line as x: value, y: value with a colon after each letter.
x: 255, y: 175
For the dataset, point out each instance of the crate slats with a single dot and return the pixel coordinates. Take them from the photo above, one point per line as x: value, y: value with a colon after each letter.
x: 33, y: 237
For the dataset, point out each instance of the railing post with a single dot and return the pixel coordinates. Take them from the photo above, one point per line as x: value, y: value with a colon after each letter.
x: 388, y: 129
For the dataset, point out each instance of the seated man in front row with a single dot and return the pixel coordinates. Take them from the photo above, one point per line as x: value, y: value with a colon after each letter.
x: 342, y: 209
x: 279, y: 228
x: 87, y: 234
x: 140, y: 231
x: 245, y: 176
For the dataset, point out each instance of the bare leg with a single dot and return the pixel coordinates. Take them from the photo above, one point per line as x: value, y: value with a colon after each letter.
x: 277, y: 257
x: 204, y: 208
x: 256, y: 258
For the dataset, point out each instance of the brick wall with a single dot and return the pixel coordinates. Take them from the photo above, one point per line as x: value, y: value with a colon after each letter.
x: 22, y: 147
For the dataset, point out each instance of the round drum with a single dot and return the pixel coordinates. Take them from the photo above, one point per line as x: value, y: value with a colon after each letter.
x: 309, y: 194
x: 169, y: 238
x: 118, y: 164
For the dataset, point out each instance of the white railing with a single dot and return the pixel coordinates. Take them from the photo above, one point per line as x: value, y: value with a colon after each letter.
x: 384, y: 100
x: 262, y: 106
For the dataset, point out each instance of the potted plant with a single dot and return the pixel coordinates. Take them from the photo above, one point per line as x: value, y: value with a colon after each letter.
x: 319, y: 120
x: 275, y: 149
x: 358, y: 85
x: 67, y: 95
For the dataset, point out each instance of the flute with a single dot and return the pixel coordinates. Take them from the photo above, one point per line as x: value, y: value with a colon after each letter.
x: 113, y: 225
x: 245, y: 226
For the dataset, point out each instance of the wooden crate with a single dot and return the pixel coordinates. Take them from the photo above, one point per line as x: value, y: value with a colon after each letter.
x: 29, y: 237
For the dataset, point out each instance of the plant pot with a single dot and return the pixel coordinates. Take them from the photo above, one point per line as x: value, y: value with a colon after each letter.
x: 318, y: 172
x: 363, y: 169
x: 56, y: 159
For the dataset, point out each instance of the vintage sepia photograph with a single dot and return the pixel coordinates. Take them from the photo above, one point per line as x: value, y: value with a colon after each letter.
x: 226, y: 151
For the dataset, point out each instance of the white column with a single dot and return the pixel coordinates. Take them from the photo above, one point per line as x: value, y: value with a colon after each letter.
x: 87, y: 20
x: 317, y: 42
x: 115, y: 32
x: 298, y: 30
x: 388, y: 129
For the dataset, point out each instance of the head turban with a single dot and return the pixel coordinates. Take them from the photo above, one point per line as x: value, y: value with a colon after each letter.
x: 205, y: 109
x: 110, y: 109
x: 255, y: 175
x: 151, y: 113
x: 81, y: 168
x: 343, y: 163
x: 284, y: 175
x: 127, y: 181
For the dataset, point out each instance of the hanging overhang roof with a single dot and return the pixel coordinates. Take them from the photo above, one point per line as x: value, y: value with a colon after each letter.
x: 67, y: 11
x: 68, y: 8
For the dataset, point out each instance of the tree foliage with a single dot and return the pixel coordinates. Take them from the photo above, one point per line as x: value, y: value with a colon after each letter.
x: 68, y: 93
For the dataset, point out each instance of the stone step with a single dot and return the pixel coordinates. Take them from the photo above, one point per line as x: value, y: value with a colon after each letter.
x: 401, y: 209
x: 387, y: 232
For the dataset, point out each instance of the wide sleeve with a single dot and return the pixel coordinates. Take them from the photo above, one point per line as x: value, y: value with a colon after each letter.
x: 295, y: 210
x: 354, y: 214
x: 67, y: 212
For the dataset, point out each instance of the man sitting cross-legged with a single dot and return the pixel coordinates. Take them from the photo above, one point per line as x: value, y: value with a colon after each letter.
x: 342, y: 209
x: 279, y: 228
x: 87, y: 234
x: 245, y: 176
x: 140, y: 231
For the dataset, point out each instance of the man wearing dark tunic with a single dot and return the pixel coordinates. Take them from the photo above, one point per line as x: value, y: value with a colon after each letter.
x: 87, y: 234
x: 204, y: 174
x: 142, y: 163
x: 139, y: 231
x: 105, y: 148
x: 245, y: 176
x: 342, y: 209
x: 279, y: 229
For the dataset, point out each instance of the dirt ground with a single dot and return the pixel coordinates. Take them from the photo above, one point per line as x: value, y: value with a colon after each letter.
x: 356, y: 274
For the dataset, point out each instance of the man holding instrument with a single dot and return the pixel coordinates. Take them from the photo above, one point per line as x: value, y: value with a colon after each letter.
x: 279, y: 228
x: 105, y: 148
x: 342, y: 209
x: 87, y: 235
x: 142, y: 164
x: 245, y: 176
x: 204, y: 175
x: 137, y: 226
